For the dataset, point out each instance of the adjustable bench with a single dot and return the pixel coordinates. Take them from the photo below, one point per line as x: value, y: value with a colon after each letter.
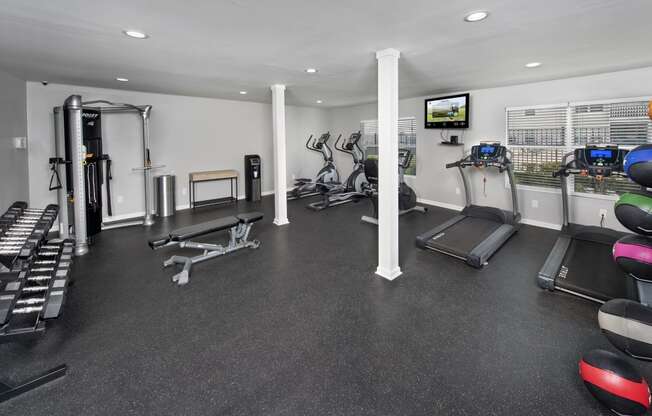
x: 239, y: 227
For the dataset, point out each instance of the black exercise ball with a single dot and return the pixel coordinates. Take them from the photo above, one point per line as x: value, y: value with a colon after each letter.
x: 638, y: 165
x: 634, y: 211
x: 628, y: 326
x: 615, y: 383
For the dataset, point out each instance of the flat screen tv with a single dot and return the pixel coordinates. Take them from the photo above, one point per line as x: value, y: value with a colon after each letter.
x: 451, y: 112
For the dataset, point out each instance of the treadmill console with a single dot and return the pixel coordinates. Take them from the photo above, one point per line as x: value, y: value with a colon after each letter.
x: 600, y: 160
x: 485, y: 154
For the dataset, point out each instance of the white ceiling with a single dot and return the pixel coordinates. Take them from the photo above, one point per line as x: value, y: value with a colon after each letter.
x: 215, y: 48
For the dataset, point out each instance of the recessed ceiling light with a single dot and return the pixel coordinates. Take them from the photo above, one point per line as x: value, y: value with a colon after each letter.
x: 319, y: 101
x: 476, y: 16
x: 243, y: 92
x: 135, y: 34
x: 533, y: 64
x: 121, y: 79
x: 311, y: 70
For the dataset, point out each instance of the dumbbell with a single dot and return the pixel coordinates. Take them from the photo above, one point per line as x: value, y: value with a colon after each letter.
x: 8, y: 297
x: 21, y: 252
x: 60, y: 273
x: 52, y: 301
x: 29, y: 301
x: 12, y: 239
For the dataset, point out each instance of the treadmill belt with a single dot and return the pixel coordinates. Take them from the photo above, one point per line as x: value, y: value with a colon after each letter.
x: 462, y: 237
x: 590, y: 270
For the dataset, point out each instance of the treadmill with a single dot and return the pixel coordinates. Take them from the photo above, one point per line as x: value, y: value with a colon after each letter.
x: 581, y: 261
x: 478, y: 231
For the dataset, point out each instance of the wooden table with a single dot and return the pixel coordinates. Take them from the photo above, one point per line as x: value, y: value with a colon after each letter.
x: 210, y: 176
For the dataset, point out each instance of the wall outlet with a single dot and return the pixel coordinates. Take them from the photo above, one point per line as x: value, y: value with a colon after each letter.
x: 603, y: 213
x: 20, y: 142
x: 184, y: 191
x: 121, y: 199
x: 535, y: 203
x: 457, y: 191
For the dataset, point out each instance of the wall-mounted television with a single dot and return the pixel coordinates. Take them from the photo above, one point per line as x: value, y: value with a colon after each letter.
x: 451, y: 112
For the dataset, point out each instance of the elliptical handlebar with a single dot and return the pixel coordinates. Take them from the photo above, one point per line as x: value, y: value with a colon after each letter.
x: 310, y: 146
x: 329, y: 156
x: 337, y: 141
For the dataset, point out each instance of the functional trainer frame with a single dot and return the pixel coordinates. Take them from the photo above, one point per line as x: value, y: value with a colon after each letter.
x: 239, y: 227
x: 72, y: 109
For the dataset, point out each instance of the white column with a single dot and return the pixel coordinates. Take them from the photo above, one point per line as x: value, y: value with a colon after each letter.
x: 388, y: 164
x: 280, y: 175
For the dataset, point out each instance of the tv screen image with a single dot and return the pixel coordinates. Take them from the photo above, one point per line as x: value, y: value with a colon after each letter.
x: 448, y: 112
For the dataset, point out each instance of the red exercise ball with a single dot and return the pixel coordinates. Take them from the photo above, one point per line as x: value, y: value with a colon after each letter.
x: 615, y: 383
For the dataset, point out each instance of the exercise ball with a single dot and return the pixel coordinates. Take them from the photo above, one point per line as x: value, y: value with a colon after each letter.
x: 615, y: 383
x: 638, y: 165
x: 633, y: 254
x: 628, y: 326
x: 634, y: 211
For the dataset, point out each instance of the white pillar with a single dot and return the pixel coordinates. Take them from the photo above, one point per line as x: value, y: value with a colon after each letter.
x: 388, y: 164
x: 280, y: 175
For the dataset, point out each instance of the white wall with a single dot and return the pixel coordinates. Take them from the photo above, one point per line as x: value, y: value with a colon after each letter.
x: 14, y: 184
x: 435, y: 183
x: 187, y: 134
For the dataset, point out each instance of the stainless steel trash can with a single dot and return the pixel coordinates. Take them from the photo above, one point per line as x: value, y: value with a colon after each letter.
x: 165, y: 200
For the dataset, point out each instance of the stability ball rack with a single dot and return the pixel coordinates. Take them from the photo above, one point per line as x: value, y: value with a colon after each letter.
x: 70, y: 115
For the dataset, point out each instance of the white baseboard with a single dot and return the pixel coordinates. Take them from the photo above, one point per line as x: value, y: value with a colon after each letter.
x: 124, y: 216
x: 541, y: 224
x: 534, y: 223
x: 440, y: 204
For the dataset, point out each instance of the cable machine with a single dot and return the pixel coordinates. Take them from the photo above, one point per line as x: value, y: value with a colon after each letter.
x: 78, y: 144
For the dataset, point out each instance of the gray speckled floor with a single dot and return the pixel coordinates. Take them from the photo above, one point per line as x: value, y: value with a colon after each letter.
x: 303, y: 327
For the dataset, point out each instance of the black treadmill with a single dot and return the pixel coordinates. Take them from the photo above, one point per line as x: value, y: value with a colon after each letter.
x: 478, y: 231
x: 581, y: 262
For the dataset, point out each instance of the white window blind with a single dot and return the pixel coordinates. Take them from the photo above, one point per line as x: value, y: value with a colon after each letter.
x: 622, y: 123
x: 407, y: 138
x: 537, y: 139
x: 540, y: 136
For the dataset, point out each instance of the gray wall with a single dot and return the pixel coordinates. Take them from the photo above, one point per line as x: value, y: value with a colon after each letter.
x: 436, y: 184
x: 187, y: 134
x: 14, y: 182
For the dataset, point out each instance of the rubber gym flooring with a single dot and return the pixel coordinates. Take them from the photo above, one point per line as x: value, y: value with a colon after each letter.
x: 302, y: 326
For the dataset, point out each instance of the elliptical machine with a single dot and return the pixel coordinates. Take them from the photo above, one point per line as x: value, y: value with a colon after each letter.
x: 407, y: 198
x: 305, y: 187
x: 335, y: 193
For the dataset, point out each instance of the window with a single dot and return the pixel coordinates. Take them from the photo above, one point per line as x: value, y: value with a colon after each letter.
x: 536, y: 137
x: 540, y: 136
x: 407, y: 139
x: 625, y: 123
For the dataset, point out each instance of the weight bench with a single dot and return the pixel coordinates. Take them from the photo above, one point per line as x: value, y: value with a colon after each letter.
x: 239, y: 227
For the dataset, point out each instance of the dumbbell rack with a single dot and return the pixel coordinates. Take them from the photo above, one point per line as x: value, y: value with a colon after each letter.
x: 34, y: 274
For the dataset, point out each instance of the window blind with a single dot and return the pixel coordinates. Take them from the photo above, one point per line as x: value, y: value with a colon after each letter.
x: 537, y: 138
x: 407, y: 138
x: 621, y: 123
